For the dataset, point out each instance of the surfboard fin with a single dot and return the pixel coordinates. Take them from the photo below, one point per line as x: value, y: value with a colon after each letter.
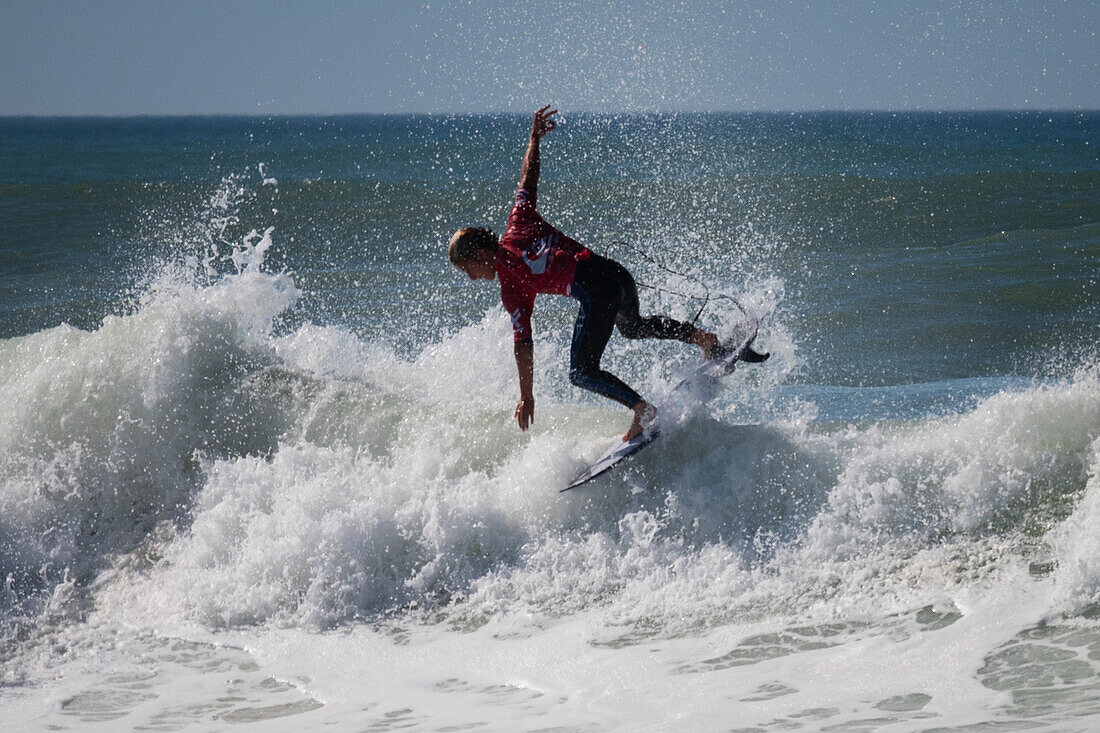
x: 753, y: 356
x: 749, y: 354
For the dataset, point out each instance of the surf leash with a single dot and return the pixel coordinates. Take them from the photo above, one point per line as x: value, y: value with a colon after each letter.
x: 706, y: 297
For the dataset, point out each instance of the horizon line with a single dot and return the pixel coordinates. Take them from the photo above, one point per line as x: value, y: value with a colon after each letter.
x: 502, y: 113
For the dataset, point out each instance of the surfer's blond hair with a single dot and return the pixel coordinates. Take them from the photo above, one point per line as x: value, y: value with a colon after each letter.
x: 466, y: 242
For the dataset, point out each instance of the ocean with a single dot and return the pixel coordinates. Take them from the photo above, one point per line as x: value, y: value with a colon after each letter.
x: 258, y: 465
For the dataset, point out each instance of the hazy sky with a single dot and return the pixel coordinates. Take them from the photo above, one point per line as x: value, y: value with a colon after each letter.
x: 124, y: 57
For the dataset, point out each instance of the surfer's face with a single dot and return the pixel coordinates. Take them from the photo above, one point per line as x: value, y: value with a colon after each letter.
x: 479, y: 267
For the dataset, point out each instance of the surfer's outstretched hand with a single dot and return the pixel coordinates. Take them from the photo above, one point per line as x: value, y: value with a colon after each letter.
x: 543, y: 123
x: 525, y: 413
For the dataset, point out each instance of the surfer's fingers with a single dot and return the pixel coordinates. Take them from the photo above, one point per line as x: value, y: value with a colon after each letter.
x: 525, y: 414
x: 543, y: 123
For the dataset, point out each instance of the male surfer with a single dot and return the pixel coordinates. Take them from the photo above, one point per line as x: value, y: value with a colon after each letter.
x: 533, y: 257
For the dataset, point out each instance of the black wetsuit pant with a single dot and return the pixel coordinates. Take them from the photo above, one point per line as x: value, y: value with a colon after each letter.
x: 609, y: 298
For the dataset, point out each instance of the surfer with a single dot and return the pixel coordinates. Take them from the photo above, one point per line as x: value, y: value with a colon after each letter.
x: 533, y: 257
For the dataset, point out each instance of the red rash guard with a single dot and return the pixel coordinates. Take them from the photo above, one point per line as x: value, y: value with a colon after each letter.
x: 533, y: 258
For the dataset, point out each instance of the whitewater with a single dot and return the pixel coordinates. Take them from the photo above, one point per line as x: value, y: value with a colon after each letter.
x: 370, y: 539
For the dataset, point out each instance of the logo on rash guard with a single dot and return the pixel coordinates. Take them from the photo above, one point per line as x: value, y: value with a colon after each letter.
x: 517, y: 324
x: 536, y: 257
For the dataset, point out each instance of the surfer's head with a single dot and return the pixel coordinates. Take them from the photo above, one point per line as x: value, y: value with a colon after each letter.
x: 473, y: 250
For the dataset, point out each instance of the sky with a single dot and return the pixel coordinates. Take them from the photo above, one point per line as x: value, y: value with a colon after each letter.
x: 151, y: 57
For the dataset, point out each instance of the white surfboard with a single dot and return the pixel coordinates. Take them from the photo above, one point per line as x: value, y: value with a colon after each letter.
x: 621, y: 450
x: 739, y: 347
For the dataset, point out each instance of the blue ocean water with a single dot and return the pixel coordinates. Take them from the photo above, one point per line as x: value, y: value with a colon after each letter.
x: 253, y: 420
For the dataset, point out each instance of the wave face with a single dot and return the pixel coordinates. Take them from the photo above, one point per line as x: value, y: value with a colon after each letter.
x: 313, y: 478
x: 105, y: 431
x: 395, y: 491
x: 283, y: 444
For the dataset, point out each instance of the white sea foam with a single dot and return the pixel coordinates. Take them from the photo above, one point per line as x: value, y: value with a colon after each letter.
x: 1076, y: 546
x: 396, y: 489
x: 188, y: 470
x: 101, y: 429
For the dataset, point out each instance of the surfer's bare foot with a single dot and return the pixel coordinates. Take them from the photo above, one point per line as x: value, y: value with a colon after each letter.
x: 706, y: 341
x: 644, y: 414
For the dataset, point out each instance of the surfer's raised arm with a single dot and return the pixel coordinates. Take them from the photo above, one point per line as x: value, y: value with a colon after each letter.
x: 529, y: 171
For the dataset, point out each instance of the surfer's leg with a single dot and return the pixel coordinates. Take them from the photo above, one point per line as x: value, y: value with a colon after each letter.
x: 633, y: 326
x: 630, y: 322
x: 595, y: 321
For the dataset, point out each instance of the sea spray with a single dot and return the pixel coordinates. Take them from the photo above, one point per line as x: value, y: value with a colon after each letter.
x: 104, y: 430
